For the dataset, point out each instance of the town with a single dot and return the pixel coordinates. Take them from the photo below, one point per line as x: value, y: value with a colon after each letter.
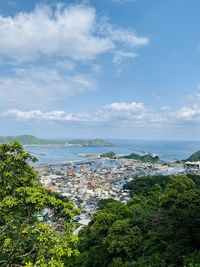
x: 88, y: 181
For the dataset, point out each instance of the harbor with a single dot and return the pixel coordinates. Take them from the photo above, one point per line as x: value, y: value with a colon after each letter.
x: 86, y: 182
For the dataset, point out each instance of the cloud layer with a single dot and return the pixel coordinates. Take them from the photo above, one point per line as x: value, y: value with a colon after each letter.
x: 133, y: 114
x: 121, y: 113
x: 40, y: 116
x: 190, y: 114
x: 40, y: 86
x: 48, y: 54
x: 72, y: 31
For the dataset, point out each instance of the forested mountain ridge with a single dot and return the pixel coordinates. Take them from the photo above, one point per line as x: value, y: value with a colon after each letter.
x: 29, y: 140
x: 33, y: 140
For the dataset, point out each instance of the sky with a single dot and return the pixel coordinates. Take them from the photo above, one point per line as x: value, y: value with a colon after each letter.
x: 126, y: 69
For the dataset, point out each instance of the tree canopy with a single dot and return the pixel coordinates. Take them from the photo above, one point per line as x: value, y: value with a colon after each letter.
x: 158, y: 227
x: 27, y: 237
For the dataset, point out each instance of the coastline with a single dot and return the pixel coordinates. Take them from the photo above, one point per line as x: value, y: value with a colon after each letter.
x: 86, y: 182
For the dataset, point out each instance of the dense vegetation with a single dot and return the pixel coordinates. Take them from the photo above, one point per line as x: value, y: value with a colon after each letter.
x: 33, y: 140
x: 110, y: 155
x: 194, y: 157
x: 159, y: 227
x: 146, y: 158
x: 143, y: 185
x: 88, y: 142
x: 27, y: 238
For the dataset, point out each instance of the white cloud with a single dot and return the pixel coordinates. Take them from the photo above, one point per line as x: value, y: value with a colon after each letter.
x: 72, y: 32
x: 188, y: 113
x: 126, y: 37
x: 66, y: 31
x: 44, y: 51
x: 119, y: 56
x: 125, y: 107
x: 190, y: 110
x: 115, y: 113
x: 40, y: 86
x: 39, y: 115
x: 135, y: 113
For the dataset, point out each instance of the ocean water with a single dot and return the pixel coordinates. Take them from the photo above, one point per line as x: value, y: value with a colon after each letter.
x: 167, y: 150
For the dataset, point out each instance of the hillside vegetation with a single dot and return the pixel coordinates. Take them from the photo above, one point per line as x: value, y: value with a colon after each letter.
x: 194, y: 157
x: 28, y: 140
x: 158, y: 227
x: 145, y: 159
x: 110, y: 155
x: 33, y: 140
x: 26, y: 240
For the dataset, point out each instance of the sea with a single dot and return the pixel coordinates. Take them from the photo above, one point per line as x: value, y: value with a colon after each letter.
x: 166, y: 150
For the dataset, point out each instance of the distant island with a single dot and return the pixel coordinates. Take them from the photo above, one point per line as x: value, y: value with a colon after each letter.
x: 33, y: 140
x: 145, y: 159
x: 89, y: 142
x: 29, y: 140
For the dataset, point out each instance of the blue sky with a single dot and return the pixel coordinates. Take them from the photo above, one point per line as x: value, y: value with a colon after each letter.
x: 109, y: 68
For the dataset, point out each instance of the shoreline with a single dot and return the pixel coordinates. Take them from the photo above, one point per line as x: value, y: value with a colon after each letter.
x: 86, y: 182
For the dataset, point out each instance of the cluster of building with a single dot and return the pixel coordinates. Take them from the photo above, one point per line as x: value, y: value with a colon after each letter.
x: 192, y: 166
x: 87, y: 182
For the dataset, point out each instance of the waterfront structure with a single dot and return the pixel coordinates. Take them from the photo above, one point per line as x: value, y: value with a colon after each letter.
x: 192, y: 165
x: 87, y: 182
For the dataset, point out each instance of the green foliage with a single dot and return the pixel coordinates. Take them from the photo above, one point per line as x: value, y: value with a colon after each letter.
x: 143, y: 185
x: 158, y: 227
x: 32, y: 140
x: 25, y: 240
x: 194, y: 157
x: 29, y: 140
x: 195, y: 178
x: 103, y: 202
x: 146, y: 158
x: 110, y: 155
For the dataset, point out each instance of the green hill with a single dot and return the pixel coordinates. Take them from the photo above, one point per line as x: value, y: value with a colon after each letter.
x: 33, y: 140
x: 146, y: 158
x: 194, y: 157
x: 29, y: 140
x: 110, y: 155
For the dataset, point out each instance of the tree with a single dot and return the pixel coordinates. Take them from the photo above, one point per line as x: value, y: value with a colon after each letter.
x: 158, y: 227
x: 27, y: 237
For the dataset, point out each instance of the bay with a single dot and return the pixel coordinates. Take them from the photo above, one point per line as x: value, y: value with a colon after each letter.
x: 167, y: 150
